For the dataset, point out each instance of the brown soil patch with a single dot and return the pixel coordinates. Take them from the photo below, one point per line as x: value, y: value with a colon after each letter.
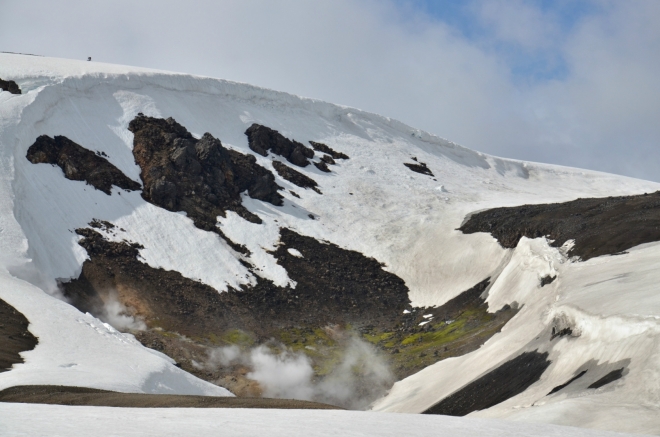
x: 14, y: 336
x: 599, y: 226
x: 81, y: 396
x: 335, y: 286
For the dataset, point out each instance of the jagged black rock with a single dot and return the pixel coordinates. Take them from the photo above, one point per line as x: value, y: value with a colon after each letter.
x: 79, y: 163
x: 263, y: 139
x: 200, y: 177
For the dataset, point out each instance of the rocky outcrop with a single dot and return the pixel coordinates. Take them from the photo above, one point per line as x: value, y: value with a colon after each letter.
x: 419, y: 167
x: 79, y: 163
x: 9, y: 85
x: 547, y: 279
x: 14, y: 336
x: 320, y: 147
x: 200, y: 177
x: 334, y: 286
x: 323, y: 166
x: 336, y: 289
x: 295, y: 177
x: 262, y: 140
x: 598, y: 226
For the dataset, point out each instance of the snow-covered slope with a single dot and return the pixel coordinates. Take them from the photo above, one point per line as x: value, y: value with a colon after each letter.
x: 371, y: 203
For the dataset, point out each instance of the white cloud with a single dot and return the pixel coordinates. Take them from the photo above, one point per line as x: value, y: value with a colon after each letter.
x: 393, y: 60
x: 519, y: 22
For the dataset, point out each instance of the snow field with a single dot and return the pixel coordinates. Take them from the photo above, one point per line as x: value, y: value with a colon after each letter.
x: 370, y: 203
x: 608, y: 334
x: 60, y: 421
x: 77, y: 349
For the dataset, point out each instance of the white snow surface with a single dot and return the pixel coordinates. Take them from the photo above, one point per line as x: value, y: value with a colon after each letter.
x: 17, y: 420
x: 404, y: 219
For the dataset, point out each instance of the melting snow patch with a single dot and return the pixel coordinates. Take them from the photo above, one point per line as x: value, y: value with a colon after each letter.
x: 295, y: 253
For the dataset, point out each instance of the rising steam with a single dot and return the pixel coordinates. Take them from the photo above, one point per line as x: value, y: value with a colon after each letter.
x: 360, y: 377
x: 118, y: 316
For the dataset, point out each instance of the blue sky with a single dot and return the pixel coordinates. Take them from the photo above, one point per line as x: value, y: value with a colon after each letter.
x: 526, y: 65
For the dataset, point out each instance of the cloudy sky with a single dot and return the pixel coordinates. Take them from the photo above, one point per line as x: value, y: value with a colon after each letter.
x: 571, y: 82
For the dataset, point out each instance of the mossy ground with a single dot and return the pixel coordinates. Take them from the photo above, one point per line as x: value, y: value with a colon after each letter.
x: 406, y: 350
x: 411, y: 351
x: 421, y: 337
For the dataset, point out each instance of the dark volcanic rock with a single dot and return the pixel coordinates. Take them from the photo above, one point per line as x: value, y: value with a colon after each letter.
x: 79, y: 164
x: 295, y: 177
x: 320, y: 147
x: 506, y: 381
x: 599, y: 226
x: 322, y: 166
x: 338, y: 285
x: 263, y: 139
x: 334, y: 286
x: 420, y: 168
x: 560, y: 333
x: 328, y: 159
x: 9, y: 85
x: 567, y: 383
x: 14, y: 336
x: 547, y: 280
x: 200, y: 177
x: 610, y: 377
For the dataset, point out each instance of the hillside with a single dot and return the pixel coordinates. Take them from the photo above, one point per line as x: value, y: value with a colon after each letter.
x: 264, y: 244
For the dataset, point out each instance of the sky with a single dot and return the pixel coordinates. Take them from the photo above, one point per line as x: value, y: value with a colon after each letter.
x: 569, y: 82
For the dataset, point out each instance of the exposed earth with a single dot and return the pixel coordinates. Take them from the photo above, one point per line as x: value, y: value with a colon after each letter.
x: 606, y: 226
x: 61, y: 395
x: 14, y: 336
